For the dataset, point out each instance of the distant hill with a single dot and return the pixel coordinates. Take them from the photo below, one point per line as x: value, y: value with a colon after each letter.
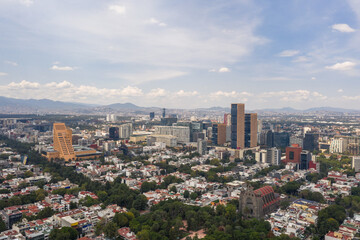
x: 13, y: 105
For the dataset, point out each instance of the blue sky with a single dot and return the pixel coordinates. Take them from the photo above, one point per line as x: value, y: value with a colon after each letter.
x: 182, y: 54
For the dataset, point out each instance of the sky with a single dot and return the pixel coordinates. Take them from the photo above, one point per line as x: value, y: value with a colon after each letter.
x: 182, y: 54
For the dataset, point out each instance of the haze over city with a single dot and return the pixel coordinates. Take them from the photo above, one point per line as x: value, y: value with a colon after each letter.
x: 182, y: 54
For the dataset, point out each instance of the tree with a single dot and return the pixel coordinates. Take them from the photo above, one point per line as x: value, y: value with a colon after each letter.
x: 110, y: 230
x: 193, y: 195
x: 28, y: 174
x: 2, y: 225
x: 121, y: 220
x: 173, y: 189
x: 65, y: 233
x: 140, y: 202
x: 186, y: 194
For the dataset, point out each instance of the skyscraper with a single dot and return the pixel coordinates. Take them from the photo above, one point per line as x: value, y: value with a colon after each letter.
x: 152, y: 115
x: 251, y: 130
x: 218, y: 133
x: 63, y: 141
x: 114, y: 133
x: 238, y: 125
x: 163, y: 113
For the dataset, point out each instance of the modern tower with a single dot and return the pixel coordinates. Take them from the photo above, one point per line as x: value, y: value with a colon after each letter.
x: 163, y: 113
x: 63, y: 141
x: 251, y: 125
x: 238, y: 125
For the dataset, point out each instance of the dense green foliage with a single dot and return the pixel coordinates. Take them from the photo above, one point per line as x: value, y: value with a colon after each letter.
x: 2, y: 225
x: 65, y: 233
x: 173, y: 220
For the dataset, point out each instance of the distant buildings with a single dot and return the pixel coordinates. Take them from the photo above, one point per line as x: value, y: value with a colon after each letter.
x: 355, y: 164
x: 202, y: 146
x: 218, y: 133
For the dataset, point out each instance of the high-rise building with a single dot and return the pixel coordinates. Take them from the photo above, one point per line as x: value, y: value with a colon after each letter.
x: 274, y: 156
x: 227, y: 119
x: 218, y: 133
x: 202, y: 146
x: 114, y: 133
x: 305, y: 158
x: 125, y: 130
x: 356, y: 163
x: 163, y: 113
x: 251, y: 130
x: 311, y: 142
x: 182, y: 133
x: 269, y: 139
x: 152, y: 115
x: 293, y: 154
x: 281, y: 139
x: 238, y: 125
x: 63, y: 141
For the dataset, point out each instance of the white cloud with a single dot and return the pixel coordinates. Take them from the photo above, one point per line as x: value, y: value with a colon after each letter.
x: 23, y: 85
x: 288, y: 53
x: 340, y: 90
x: 64, y: 68
x: 153, y: 75
x: 294, y: 96
x: 182, y: 93
x: 66, y: 91
x: 63, y: 84
x: 301, y: 59
x: 224, y: 69
x: 131, y: 91
x: 3, y: 74
x: 342, y: 27
x: 344, y: 66
x: 220, y: 70
x: 119, y: 9
x: 11, y: 63
x: 158, y: 92
x: 156, y: 22
x: 27, y: 3
x: 313, y: 78
x: 232, y: 94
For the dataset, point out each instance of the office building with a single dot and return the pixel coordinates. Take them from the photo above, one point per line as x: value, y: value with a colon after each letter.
x: 63, y: 141
x: 163, y: 113
x: 296, y: 140
x: 238, y: 126
x: 182, y: 133
x: 305, y: 159
x: 202, y: 146
x: 114, y: 133
x: 152, y: 115
x: 125, y: 131
x: 293, y: 154
x: 311, y: 142
x: 169, y: 121
x: 218, y: 134
x: 273, y: 156
x: 251, y: 129
x: 281, y: 139
x: 227, y: 119
x: 269, y: 139
x: 355, y: 164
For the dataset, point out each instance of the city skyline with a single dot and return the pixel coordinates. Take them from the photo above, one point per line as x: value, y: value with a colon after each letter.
x: 197, y: 54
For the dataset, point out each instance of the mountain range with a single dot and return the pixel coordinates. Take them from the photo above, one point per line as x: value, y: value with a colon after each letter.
x: 43, y: 106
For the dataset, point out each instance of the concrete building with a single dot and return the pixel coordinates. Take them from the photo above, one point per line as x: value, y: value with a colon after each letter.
x: 251, y: 129
x: 218, y: 133
x: 62, y: 137
x: 273, y: 156
x: 182, y: 133
x: 356, y: 163
x: 293, y: 154
x: 125, y: 131
x: 202, y: 146
x: 238, y: 126
x: 169, y: 140
x: 114, y: 133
